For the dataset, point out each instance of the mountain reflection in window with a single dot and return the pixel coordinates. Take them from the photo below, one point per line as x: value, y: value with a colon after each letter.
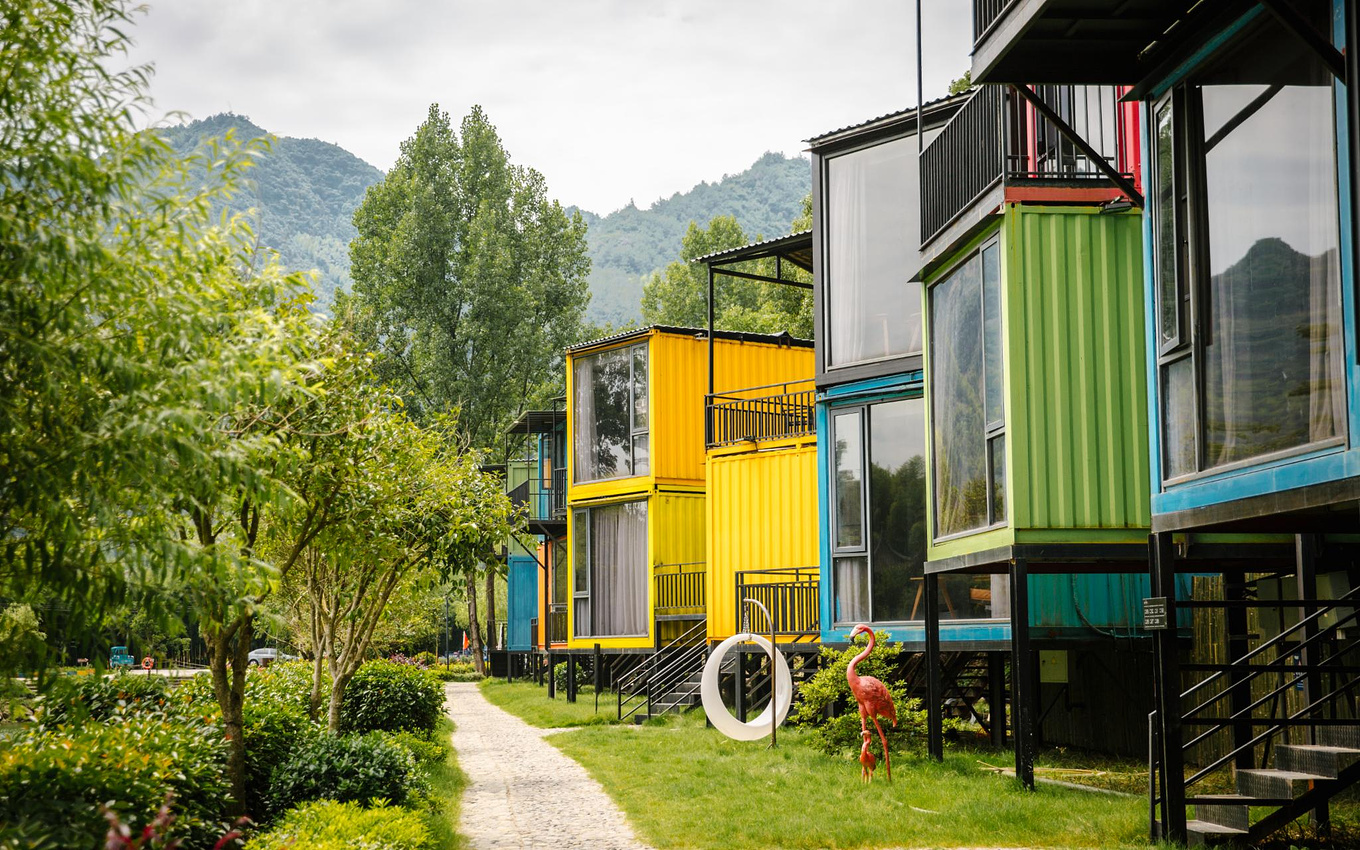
x: 609, y: 416
x: 1272, y: 353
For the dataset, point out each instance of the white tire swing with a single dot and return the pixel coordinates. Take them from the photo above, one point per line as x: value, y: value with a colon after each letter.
x: 718, y: 714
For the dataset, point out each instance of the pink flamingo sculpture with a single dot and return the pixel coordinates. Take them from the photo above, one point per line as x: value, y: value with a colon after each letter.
x: 874, y: 702
x: 866, y: 761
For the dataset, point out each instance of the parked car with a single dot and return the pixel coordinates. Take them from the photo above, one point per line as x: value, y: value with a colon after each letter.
x: 120, y: 657
x: 266, y: 655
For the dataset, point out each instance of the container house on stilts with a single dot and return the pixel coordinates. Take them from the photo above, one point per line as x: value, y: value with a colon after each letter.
x: 1249, y: 150
x: 537, y: 568
x: 636, y: 498
x: 1037, y: 513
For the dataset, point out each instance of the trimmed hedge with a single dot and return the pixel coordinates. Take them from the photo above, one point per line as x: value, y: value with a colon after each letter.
x: 53, y: 781
x: 347, y: 768
x: 390, y: 697
x: 328, y: 825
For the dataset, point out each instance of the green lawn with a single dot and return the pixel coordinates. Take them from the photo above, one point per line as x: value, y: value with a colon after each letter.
x: 686, y: 786
x: 530, y: 702
x: 446, y: 795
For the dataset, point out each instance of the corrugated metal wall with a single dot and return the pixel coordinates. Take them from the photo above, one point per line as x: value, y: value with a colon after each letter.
x: 762, y: 513
x: 521, y: 601
x: 1078, y: 419
x: 677, y: 527
x: 679, y: 382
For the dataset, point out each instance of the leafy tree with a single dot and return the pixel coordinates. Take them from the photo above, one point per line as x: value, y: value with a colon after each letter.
x: 679, y: 294
x: 468, y: 280
x: 962, y: 84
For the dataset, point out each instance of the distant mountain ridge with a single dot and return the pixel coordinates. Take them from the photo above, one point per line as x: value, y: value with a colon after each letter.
x: 305, y: 192
x: 630, y: 243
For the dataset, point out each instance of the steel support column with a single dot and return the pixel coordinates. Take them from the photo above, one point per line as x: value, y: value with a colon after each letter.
x: 934, y: 689
x: 1163, y: 558
x: 1239, y: 699
x: 571, y: 678
x: 552, y: 678
x: 1023, y: 692
x: 1305, y: 578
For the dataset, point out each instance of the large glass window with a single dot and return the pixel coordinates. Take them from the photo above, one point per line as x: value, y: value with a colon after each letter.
x: 879, y: 568
x: 870, y: 213
x: 609, y: 558
x: 609, y: 414
x: 968, y: 397
x: 1260, y: 371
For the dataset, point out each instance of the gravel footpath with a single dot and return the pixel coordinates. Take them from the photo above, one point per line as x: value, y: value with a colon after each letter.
x: 522, y: 792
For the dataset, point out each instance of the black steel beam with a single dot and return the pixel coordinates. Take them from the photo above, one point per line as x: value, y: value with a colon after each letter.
x: 934, y: 695
x: 760, y: 277
x: 1023, y: 690
x: 1125, y: 184
x: 1300, y: 27
x: 1169, y: 694
x: 996, y: 696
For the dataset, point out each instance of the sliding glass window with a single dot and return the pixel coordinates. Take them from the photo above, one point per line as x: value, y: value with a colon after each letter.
x: 1246, y: 217
x: 870, y: 211
x: 609, y: 414
x: 609, y: 557
x: 968, y: 396
x: 879, y: 549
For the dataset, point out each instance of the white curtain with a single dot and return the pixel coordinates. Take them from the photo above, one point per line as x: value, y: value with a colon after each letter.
x: 583, y: 418
x: 618, y: 569
x: 852, y: 590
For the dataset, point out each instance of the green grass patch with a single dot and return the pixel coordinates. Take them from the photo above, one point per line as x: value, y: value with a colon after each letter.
x: 447, y: 782
x: 530, y: 703
x: 686, y: 786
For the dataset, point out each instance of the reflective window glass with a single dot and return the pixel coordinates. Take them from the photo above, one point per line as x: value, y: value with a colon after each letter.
x: 957, y: 401
x: 897, y: 507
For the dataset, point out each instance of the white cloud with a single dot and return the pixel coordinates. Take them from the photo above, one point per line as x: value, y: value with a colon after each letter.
x: 611, y: 99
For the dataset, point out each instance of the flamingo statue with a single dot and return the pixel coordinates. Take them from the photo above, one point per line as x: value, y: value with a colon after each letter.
x: 874, y: 702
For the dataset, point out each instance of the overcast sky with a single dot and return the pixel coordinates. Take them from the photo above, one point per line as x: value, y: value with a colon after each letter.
x: 613, y: 100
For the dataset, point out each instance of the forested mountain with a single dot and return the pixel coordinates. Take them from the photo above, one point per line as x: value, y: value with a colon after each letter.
x: 305, y: 190
x: 631, y: 243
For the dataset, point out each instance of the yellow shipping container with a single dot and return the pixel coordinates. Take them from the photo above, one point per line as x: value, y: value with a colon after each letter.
x: 762, y: 516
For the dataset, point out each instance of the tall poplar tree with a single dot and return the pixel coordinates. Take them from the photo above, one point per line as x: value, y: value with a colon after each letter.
x: 468, y: 280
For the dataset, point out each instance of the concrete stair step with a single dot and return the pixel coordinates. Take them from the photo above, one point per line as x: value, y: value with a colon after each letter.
x: 1274, y: 783
x: 1234, y: 810
x: 1201, y: 833
x: 1315, y: 758
x: 1338, y: 736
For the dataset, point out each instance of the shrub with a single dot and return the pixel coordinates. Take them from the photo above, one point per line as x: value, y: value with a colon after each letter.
x: 273, y: 733
x: 828, y: 688
x: 78, y: 699
x: 328, y: 825
x: 385, y: 696
x: 424, y: 659
x: 458, y: 671
x: 426, y: 748
x: 53, y: 781
x: 16, y: 703
x: 348, y: 768
x: 583, y: 676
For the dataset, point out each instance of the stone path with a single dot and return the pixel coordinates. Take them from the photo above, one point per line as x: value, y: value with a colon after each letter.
x: 522, y: 792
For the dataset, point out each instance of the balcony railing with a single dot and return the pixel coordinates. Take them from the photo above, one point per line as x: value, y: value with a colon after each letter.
x: 792, y: 596
x: 769, y: 412
x: 541, y: 499
x: 679, y: 589
x: 985, y: 13
x: 999, y: 136
x: 557, y: 622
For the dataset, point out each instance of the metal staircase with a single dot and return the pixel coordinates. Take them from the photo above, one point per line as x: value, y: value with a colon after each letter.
x: 668, y: 680
x: 1284, y: 762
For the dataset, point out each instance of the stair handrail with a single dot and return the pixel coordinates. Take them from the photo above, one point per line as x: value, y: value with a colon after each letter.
x: 1354, y: 593
x: 684, y: 639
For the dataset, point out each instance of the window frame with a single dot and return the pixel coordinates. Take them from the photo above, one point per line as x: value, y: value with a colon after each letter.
x: 827, y: 372
x: 992, y: 432
x: 588, y: 594
x: 634, y: 431
x: 1190, y: 209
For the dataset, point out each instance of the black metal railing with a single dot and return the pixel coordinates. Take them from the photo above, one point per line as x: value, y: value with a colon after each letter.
x: 770, y: 412
x: 962, y: 162
x: 541, y: 499
x: 791, y: 594
x: 668, y: 678
x: 557, y: 623
x: 1249, y: 700
x: 985, y: 13
x: 998, y: 135
x: 679, y: 589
